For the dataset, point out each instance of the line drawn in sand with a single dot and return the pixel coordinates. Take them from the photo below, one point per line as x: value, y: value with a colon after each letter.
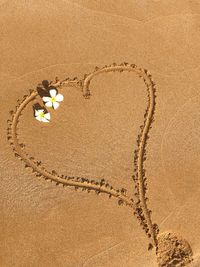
x: 171, y: 250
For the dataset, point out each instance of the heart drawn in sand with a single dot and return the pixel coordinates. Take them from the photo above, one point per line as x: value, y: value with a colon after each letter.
x: 139, y: 206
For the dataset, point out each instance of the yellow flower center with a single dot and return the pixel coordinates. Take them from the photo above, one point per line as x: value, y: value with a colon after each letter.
x: 53, y: 99
x: 41, y: 115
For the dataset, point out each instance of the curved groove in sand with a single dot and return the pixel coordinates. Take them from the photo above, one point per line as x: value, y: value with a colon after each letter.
x: 140, y: 154
x: 140, y: 208
x: 84, y: 183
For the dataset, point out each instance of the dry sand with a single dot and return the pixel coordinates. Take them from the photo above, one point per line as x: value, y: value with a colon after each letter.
x: 42, y: 224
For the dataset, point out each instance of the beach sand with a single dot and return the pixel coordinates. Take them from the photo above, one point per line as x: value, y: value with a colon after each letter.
x: 43, y: 224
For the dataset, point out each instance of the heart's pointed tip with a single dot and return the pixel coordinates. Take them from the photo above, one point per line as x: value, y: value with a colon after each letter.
x: 87, y: 95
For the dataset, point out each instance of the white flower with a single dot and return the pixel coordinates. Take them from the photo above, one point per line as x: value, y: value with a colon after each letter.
x: 54, y: 100
x: 41, y: 116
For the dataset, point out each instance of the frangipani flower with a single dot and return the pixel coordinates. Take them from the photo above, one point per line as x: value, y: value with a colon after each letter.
x: 41, y: 116
x: 53, y: 100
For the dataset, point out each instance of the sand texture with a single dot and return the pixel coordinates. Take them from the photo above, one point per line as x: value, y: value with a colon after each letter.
x: 112, y: 180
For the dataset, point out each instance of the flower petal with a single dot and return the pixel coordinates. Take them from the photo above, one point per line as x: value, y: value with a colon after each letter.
x: 38, y: 118
x: 52, y: 92
x: 55, y: 105
x: 41, y: 110
x: 36, y: 112
x: 59, y: 98
x: 44, y: 120
x: 48, y: 104
x: 47, y: 116
x: 46, y: 98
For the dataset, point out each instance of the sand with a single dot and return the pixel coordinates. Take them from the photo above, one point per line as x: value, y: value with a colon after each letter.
x: 84, y: 190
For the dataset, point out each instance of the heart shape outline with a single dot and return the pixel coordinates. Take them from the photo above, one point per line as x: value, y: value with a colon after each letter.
x: 140, y: 207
